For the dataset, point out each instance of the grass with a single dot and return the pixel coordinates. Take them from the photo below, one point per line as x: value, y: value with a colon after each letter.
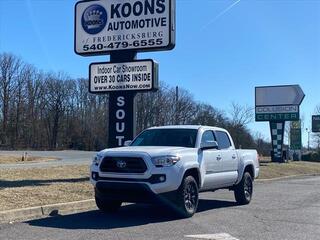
x: 273, y: 170
x: 21, y: 188
x: 7, y: 159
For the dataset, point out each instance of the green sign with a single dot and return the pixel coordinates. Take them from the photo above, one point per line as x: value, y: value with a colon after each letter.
x: 295, y: 139
x: 316, y: 123
x: 261, y: 117
x: 295, y: 124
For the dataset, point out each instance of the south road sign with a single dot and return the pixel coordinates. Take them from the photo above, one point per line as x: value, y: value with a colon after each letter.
x: 279, y: 95
x: 277, y: 113
x: 139, y: 75
x: 316, y: 123
x: 105, y: 26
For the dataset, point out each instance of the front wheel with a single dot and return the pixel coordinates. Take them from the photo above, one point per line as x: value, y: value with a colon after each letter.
x: 108, y: 206
x: 244, y: 189
x: 188, y: 197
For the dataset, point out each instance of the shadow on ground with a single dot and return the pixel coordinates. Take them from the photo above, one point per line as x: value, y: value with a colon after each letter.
x: 36, y: 182
x: 127, y: 216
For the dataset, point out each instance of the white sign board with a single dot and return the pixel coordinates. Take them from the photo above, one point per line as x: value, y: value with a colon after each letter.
x: 140, y: 75
x: 277, y: 109
x: 279, y: 95
x: 103, y: 26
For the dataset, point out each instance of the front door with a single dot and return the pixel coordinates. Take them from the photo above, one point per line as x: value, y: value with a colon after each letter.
x: 211, y: 163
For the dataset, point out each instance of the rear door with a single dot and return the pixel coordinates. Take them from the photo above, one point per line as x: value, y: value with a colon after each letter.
x: 229, y: 159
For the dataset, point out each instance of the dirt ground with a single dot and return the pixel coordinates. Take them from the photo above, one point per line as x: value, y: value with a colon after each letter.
x: 21, y: 188
x: 7, y: 159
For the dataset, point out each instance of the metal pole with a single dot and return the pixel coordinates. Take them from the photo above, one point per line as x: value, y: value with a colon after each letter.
x: 308, y: 140
x: 308, y: 132
x: 177, y: 108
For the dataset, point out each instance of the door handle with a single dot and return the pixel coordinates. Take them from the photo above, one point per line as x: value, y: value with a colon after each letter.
x: 234, y: 157
x: 219, y: 158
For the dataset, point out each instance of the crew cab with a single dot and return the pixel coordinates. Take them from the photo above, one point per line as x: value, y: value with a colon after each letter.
x: 171, y: 165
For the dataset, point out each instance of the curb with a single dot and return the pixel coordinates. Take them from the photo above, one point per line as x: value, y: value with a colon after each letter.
x: 46, y: 210
x: 287, y: 177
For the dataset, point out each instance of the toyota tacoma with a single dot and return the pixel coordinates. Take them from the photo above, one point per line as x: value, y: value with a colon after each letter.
x: 171, y: 165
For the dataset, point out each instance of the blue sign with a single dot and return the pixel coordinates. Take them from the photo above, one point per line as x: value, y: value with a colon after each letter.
x: 94, y: 19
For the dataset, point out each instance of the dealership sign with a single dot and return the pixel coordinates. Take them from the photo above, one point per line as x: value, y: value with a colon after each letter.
x: 104, y: 26
x: 141, y: 75
x: 277, y: 113
x: 295, y: 139
x: 279, y: 95
x: 295, y: 135
x: 278, y: 103
x: 316, y: 123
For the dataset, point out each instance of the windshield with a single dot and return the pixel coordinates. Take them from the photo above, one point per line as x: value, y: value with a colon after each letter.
x: 167, y: 137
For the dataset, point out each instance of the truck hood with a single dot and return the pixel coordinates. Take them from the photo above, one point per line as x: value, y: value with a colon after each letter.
x: 150, y: 150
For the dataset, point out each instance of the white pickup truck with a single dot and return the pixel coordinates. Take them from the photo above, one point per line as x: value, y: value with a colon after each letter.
x: 172, y: 164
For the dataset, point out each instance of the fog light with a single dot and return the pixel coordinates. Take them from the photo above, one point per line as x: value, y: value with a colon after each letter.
x: 157, y: 178
x: 95, y: 176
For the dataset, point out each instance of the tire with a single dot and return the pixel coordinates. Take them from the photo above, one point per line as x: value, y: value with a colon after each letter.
x: 244, y: 189
x: 108, y: 206
x: 187, y: 197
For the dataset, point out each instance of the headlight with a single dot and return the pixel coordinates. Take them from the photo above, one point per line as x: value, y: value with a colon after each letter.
x: 165, y: 161
x: 97, y: 159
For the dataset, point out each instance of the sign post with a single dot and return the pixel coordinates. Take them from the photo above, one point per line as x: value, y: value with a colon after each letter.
x: 122, y: 28
x: 278, y: 104
x: 277, y: 132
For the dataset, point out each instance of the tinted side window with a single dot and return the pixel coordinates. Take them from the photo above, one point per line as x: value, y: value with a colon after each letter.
x: 207, y: 136
x: 223, y: 140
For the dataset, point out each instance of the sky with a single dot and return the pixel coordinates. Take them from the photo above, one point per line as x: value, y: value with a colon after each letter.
x: 224, y: 49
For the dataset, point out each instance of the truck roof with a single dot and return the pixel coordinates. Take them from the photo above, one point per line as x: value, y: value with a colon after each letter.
x: 197, y: 127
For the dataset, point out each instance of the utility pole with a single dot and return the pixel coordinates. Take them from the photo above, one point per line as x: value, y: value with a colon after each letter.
x: 308, y: 138
x: 309, y: 141
x: 177, y: 106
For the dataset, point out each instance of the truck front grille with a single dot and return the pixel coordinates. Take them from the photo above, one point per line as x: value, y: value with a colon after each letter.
x: 123, y: 165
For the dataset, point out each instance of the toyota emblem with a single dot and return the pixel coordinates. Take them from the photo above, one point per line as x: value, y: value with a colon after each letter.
x: 121, y: 164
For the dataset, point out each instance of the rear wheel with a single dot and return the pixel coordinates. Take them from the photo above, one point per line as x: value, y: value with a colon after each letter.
x: 244, y: 189
x: 188, y: 197
x: 108, y: 205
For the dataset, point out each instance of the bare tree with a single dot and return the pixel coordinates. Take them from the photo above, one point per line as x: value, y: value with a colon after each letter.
x: 46, y: 110
x: 241, y: 115
x: 9, y: 72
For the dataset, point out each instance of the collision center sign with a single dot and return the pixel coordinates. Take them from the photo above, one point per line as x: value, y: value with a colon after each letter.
x: 278, y: 103
x: 103, y: 26
x: 277, y: 113
x: 140, y: 75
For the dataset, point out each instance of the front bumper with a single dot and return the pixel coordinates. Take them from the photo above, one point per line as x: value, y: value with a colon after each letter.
x: 130, y: 192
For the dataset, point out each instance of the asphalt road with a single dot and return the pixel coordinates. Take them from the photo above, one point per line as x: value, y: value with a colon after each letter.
x: 283, y: 209
x: 67, y: 157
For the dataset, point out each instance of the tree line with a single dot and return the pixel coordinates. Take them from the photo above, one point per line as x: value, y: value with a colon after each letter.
x: 44, y: 110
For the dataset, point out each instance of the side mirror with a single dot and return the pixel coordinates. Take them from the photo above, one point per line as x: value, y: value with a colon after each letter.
x: 127, y: 143
x: 209, y: 145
